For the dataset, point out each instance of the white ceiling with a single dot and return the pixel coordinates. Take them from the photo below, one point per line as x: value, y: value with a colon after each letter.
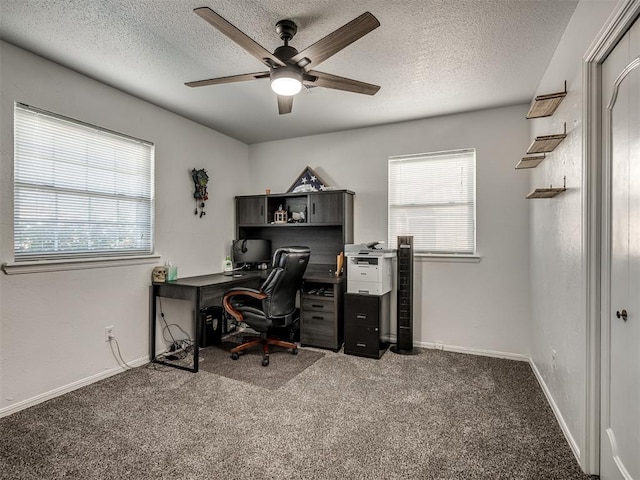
x: 430, y: 57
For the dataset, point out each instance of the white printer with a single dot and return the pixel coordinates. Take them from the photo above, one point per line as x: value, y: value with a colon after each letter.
x: 369, y: 269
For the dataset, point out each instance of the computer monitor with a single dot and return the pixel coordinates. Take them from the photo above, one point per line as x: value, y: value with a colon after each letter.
x: 251, y: 252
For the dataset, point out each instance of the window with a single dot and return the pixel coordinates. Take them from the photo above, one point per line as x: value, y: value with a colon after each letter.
x: 79, y: 191
x: 432, y: 197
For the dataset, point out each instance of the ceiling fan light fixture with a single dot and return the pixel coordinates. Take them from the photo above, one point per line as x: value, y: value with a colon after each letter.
x: 286, y: 81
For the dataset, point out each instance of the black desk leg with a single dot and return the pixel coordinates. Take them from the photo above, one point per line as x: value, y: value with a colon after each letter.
x: 196, y: 342
x: 152, y: 322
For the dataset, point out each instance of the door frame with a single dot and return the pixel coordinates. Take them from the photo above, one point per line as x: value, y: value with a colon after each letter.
x: 596, y: 207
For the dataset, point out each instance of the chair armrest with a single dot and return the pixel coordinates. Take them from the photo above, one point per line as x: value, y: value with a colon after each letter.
x: 246, y: 292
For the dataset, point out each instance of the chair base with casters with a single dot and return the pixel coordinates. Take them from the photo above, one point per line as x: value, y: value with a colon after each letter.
x: 272, y: 307
x: 264, y: 340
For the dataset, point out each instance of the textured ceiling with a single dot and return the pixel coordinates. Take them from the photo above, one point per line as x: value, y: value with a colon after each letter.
x: 429, y: 57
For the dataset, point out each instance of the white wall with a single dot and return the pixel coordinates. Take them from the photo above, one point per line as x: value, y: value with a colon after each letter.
x: 482, y: 306
x: 557, y: 276
x: 52, y: 324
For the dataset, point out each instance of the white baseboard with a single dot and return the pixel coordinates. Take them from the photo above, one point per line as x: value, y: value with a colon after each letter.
x: 476, y: 351
x: 43, y: 397
x: 556, y: 411
x: 471, y: 351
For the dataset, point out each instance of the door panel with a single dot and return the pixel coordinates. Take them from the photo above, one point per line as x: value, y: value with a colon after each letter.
x: 250, y: 210
x: 326, y: 208
x: 620, y: 383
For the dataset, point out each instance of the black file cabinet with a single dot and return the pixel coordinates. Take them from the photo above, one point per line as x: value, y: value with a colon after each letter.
x: 366, y: 317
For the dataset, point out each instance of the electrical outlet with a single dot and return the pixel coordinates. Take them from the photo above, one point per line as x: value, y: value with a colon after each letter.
x: 109, y: 333
x: 553, y: 358
x: 439, y: 346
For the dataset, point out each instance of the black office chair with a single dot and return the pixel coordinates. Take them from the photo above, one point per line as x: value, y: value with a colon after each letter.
x: 273, y: 305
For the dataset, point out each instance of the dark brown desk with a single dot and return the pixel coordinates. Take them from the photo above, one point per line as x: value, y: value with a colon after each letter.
x: 202, y: 291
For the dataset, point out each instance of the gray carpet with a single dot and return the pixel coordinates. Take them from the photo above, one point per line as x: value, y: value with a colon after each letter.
x: 437, y: 415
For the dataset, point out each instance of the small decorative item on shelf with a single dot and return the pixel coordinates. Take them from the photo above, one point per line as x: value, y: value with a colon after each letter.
x: 200, y: 180
x: 159, y: 274
x: 308, y: 181
x: 280, y: 216
x: 172, y: 272
x: 339, y: 263
x: 228, y: 266
x: 297, y: 217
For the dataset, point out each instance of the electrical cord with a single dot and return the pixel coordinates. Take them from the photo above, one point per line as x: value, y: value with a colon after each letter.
x: 118, y: 357
x: 179, y: 348
x: 165, y: 322
x: 167, y: 329
x: 173, y: 340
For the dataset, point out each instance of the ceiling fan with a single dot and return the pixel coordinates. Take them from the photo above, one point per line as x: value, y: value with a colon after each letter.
x: 288, y: 68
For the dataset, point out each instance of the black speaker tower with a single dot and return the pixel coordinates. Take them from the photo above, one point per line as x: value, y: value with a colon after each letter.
x: 404, y: 331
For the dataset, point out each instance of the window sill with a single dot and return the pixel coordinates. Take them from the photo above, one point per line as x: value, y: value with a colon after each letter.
x: 430, y: 257
x: 15, y: 268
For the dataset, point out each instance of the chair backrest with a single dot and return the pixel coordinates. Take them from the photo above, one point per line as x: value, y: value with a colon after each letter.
x: 284, y: 281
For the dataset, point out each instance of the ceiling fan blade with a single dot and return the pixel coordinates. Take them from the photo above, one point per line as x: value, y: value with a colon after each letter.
x: 285, y: 104
x: 326, y: 80
x: 324, y: 48
x: 238, y: 36
x: 231, y: 79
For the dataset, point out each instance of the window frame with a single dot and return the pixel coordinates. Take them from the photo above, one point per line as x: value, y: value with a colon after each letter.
x: 78, y: 258
x: 434, y: 255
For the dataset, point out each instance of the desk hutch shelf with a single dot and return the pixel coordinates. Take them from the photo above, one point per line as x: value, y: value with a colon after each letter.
x: 325, y: 226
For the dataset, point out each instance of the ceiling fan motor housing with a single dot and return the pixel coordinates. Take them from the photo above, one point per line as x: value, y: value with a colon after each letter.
x: 285, y: 52
x: 286, y: 29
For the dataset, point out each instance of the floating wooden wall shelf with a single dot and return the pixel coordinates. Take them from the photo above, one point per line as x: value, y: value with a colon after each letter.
x: 545, y: 105
x: 530, y: 162
x: 548, y: 192
x: 547, y: 143
x: 545, y: 192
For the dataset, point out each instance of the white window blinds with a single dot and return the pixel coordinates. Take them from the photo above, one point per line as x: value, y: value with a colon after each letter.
x: 432, y: 197
x: 79, y: 191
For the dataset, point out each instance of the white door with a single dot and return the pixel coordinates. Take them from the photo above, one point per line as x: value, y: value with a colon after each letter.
x: 620, y: 374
